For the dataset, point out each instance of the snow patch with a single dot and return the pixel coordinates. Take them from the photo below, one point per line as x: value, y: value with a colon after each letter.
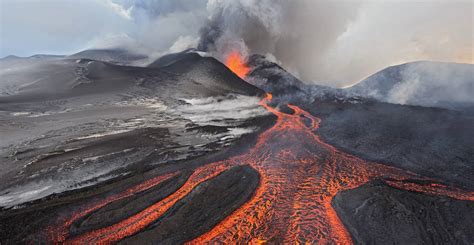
x: 221, y: 111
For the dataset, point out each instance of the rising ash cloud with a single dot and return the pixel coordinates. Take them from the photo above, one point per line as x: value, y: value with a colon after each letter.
x: 335, y: 43
x: 342, y: 42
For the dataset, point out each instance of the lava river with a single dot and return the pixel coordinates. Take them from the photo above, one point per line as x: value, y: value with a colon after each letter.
x: 299, y: 176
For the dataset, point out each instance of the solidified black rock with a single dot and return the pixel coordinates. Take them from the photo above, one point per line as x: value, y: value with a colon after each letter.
x: 202, y: 209
x: 379, y: 214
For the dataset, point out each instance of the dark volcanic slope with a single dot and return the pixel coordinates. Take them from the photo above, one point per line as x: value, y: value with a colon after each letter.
x: 433, y: 142
x: 206, y: 71
x: 170, y: 59
x: 273, y: 78
x: 378, y: 214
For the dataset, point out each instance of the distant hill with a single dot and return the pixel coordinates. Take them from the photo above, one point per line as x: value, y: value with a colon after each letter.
x: 425, y: 83
x: 13, y: 60
x: 120, y: 56
x: 10, y: 57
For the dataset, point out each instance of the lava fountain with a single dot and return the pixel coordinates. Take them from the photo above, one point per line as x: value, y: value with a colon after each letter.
x: 236, y: 63
x: 299, y: 176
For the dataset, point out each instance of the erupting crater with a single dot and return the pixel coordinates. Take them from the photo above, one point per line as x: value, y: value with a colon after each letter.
x: 299, y: 176
x: 236, y: 64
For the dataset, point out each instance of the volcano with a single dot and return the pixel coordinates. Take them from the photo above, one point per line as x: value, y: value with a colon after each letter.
x: 191, y: 150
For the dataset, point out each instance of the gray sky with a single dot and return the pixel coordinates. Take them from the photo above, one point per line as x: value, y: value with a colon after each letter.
x: 329, y: 42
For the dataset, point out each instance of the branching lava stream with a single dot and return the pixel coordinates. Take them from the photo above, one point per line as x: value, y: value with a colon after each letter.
x: 299, y: 176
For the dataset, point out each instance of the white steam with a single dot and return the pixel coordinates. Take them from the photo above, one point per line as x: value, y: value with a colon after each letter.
x: 435, y: 84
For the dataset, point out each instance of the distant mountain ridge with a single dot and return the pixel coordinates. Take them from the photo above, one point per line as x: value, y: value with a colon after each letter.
x: 424, y: 83
x: 118, y: 55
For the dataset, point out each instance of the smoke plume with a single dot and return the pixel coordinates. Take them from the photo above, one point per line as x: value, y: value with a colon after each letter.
x: 340, y: 42
x: 335, y: 43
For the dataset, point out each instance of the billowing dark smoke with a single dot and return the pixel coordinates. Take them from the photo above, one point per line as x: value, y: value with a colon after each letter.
x: 297, y: 33
x: 241, y: 25
x: 337, y: 43
x: 209, y: 35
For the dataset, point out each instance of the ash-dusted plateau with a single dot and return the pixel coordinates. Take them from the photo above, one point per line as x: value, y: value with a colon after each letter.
x: 104, y: 147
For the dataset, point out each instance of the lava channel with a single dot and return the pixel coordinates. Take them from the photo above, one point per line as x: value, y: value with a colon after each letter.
x: 299, y: 176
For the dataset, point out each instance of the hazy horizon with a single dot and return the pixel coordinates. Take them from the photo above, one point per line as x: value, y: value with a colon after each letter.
x: 335, y: 43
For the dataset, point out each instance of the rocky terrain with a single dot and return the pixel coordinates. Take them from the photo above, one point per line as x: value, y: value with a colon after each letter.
x: 377, y: 214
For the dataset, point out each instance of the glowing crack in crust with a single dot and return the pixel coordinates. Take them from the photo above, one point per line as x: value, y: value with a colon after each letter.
x: 299, y: 176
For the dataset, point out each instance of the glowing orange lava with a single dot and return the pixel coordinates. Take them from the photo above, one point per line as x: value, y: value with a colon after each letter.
x: 59, y: 234
x: 300, y: 175
x: 236, y: 64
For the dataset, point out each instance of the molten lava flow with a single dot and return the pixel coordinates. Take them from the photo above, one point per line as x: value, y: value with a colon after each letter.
x: 300, y: 175
x: 59, y: 234
x: 236, y: 64
x: 141, y: 220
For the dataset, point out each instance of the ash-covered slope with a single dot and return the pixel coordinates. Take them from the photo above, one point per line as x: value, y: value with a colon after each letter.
x: 63, y: 78
x: 11, y: 68
x: 169, y: 59
x: 118, y: 56
x: 433, y: 84
x: 66, y: 78
x: 74, y: 123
